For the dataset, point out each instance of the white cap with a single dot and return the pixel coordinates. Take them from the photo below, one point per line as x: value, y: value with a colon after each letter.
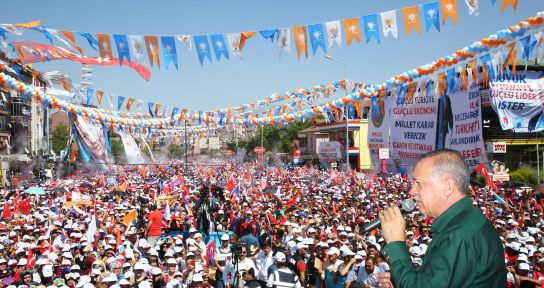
x: 83, y: 280
x: 139, y: 266
x: 280, y: 257
x: 523, y: 257
x: 110, y: 278
x: 301, y: 245
x: 156, y: 271
x: 333, y: 250
x: 523, y: 266
x: 197, y: 278
x: 225, y: 237
x: 47, y: 271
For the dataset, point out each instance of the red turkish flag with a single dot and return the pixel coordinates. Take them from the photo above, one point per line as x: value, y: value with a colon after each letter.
x: 6, y: 214
x: 483, y: 171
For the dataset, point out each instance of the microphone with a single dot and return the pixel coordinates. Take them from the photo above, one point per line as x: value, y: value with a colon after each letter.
x: 407, y: 205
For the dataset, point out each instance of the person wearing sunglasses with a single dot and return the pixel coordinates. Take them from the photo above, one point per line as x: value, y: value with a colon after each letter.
x: 244, y: 264
x: 249, y: 279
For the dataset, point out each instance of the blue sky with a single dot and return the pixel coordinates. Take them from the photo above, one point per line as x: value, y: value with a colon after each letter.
x: 231, y: 83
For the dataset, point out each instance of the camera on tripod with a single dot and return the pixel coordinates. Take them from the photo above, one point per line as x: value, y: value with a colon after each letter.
x: 236, y: 249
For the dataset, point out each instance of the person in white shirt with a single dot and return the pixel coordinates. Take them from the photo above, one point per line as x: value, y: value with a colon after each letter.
x: 263, y: 261
x: 244, y: 264
x: 283, y: 277
x: 367, y: 273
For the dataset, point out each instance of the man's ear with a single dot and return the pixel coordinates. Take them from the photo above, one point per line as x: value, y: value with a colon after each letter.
x: 448, y: 186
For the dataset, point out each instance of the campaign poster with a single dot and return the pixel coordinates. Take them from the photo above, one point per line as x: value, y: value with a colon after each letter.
x: 412, y: 124
x: 92, y: 141
x: 378, y: 128
x: 134, y: 156
x: 518, y: 100
x: 461, y: 125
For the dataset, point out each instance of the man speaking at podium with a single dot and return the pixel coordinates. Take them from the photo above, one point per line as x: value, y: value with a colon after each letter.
x: 465, y: 250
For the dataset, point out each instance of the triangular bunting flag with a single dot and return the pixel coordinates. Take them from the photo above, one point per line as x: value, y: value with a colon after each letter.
x: 449, y: 10
x: 370, y: 23
x: 389, y: 23
x: 301, y: 41
x: 411, y: 19
x: 317, y: 37
x: 351, y: 27
x: 431, y: 13
x: 152, y: 45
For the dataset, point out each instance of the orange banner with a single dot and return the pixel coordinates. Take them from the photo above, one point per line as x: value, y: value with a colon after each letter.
x: 157, y: 107
x: 99, y: 95
x: 301, y: 40
x: 152, y: 45
x: 410, y: 15
x: 104, y: 46
x: 449, y: 10
x: 510, y: 58
x: 69, y: 35
x: 441, y: 83
x: 474, y: 67
x: 129, y: 217
x: 28, y: 24
x: 129, y: 103
x: 243, y: 37
x: 351, y: 26
x: 505, y: 4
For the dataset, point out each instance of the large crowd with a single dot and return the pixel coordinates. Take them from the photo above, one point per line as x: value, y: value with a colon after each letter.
x: 226, y: 224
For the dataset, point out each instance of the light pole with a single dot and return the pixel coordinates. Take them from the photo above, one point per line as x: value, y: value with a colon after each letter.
x: 185, y: 131
x: 327, y: 56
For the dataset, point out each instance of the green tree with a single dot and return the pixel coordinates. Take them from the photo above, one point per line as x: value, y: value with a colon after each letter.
x: 59, y: 137
x: 274, y: 139
x: 117, y: 150
x: 176, y: 151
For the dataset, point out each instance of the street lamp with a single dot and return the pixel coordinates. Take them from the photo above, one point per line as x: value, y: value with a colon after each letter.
x: 327, y: 56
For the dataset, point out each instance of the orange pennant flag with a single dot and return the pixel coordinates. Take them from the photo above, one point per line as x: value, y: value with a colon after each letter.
x: 243, y: 37
x: 464, y: 80
x: 351, y: 26
x: 410, y: 92
x: 104, y: 46
x: 474, y: 68
x: 301, y: 41
x: 411, y: 19
x: 152, y: 45
x: 441, y: 77
x: 69, y: 35
x: 505, y: 4
x: 485, y: 76
x: 157, y: 107
x: 449, y: 10
x: 129, y: 217
x: 359, y: 109
x: 64, y: 85
x: 118, y: 238
x: 129, y: 103
x: 510, y: 58
x: 28, y: 24
x: 99, y: 95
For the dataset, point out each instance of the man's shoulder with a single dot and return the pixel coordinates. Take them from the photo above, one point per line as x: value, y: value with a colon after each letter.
x: 467, y: 223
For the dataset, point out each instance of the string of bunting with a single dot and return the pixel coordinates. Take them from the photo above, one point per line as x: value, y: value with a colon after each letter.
x: 527, y: 32
x: 319, y: 36
x: 302, y: 96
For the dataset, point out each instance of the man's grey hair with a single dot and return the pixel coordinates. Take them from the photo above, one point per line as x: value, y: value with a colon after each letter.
x: 449, y: 163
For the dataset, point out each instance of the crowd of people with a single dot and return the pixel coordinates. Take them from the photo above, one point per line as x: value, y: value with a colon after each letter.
x: 226, y: 224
